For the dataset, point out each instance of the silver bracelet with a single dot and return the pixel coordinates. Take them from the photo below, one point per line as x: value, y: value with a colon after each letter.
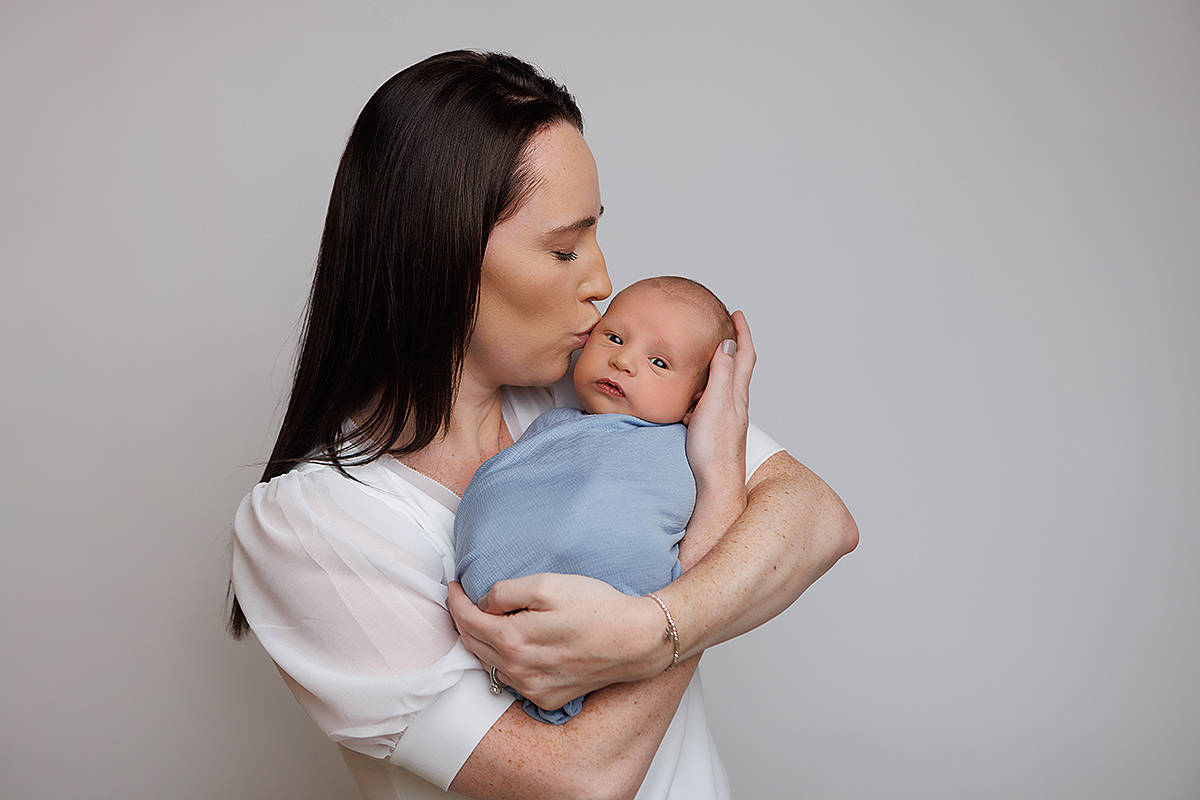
x: 671, y: 634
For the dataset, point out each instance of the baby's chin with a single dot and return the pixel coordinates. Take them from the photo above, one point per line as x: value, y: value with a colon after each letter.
x: 589, y: 407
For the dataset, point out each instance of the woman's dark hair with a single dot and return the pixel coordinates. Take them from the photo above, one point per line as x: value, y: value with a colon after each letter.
x: 435, y: 160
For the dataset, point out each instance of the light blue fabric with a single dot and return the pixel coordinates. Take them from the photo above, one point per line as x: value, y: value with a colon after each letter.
x: 602, y: 495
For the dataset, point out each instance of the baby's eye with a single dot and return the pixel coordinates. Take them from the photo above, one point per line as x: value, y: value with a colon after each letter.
x: 658, y: 362
x: 612, y: 337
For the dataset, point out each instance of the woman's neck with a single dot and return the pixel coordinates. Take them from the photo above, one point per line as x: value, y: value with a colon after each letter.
x: 477, y: 431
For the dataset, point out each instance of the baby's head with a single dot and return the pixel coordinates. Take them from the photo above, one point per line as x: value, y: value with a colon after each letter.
x: 648, y: 356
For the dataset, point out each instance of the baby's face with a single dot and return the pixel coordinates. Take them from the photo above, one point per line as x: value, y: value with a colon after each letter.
x: 644, y: 357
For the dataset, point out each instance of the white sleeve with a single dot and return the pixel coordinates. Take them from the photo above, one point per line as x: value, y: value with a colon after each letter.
x: 347, y: 593
x: 759, y: 447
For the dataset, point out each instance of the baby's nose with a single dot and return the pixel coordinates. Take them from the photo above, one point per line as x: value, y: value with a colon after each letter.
x: 621, y: 361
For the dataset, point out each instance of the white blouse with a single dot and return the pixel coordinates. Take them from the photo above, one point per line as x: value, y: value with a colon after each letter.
x: 344, y: 583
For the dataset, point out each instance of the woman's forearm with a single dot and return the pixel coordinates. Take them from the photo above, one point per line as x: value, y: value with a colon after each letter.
x: 794, y: 528
x: 715, y: 512
x: 577, y: 634
x: 603, y: 752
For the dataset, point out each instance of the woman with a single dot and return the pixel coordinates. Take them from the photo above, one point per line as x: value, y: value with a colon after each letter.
x: 458, y: 271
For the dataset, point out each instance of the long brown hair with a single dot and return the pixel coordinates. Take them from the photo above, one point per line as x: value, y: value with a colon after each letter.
x: 433, y: 163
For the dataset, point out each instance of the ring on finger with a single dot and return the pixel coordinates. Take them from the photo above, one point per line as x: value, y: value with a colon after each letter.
x: 498, y: 685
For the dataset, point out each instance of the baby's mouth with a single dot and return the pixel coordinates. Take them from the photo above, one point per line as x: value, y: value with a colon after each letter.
x: 610, y: 387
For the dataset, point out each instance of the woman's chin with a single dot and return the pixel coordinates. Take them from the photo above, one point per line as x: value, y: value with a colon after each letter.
x: 545, y: 369
x: 551, y: 373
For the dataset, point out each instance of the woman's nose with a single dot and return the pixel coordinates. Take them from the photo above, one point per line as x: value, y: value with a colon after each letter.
x: 596, y: 284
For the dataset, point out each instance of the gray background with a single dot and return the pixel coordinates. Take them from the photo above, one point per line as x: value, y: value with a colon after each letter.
x: 965, y: 237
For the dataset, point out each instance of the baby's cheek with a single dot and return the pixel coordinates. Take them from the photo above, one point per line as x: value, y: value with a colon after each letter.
x: 664, y: 404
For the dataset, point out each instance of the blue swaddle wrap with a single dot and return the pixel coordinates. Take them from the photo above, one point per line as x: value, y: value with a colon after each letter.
x: 602, y: 495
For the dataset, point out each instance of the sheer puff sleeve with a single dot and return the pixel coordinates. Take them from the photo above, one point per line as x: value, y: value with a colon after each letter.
x: 344, y: 584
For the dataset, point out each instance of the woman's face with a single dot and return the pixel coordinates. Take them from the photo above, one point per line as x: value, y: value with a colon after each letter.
x: 542, y: 270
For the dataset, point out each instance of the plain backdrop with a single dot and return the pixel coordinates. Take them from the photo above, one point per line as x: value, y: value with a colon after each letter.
x: 965, y: 236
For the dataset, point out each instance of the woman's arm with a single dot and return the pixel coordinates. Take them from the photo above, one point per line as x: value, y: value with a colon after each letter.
x: 605, y: 750
x: 575, y: 634
x: 576, y: 638
x: 794, y: 529
x: 343, y: 593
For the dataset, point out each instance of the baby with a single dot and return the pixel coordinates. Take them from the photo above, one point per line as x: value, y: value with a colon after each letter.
x: 648, y: 356
x: 620, y: 491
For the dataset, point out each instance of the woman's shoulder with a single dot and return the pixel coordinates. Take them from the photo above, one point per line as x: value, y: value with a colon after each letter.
x: 313, y: 512
x: 313, y: 493
x: 305, y: 478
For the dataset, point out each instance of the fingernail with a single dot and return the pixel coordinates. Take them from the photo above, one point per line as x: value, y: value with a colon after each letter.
x: 482, y: 603
x: 729, y: 347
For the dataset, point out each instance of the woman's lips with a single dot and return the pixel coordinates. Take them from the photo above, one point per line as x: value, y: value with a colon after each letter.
x: 610, y: 388
x: 581, y: 338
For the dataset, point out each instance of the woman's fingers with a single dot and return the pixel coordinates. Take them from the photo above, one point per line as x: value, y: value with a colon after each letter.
x: 468, y: 618
x: 744, y: 358
x: 483, y: 634
x: 731, y: 374
x: 496, y: 636
x: 489, y: 657
x: 720, y: 375
x: 571, y: 635
x: 717, y: 429
x: 457, y: 601
x: 482, y: 650
x: 517, y: 594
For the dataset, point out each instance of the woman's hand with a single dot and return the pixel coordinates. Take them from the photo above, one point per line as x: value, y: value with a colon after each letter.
x: 556, y: 637
x: 716, y: 438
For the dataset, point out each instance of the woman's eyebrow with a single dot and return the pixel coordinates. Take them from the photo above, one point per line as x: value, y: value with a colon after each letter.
x: 578, y: 225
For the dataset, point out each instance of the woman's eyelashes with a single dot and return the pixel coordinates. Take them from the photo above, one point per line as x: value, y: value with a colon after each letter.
x: 561, y: 256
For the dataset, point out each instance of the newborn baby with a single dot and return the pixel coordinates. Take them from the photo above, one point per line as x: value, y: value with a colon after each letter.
x: 620, y: 489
